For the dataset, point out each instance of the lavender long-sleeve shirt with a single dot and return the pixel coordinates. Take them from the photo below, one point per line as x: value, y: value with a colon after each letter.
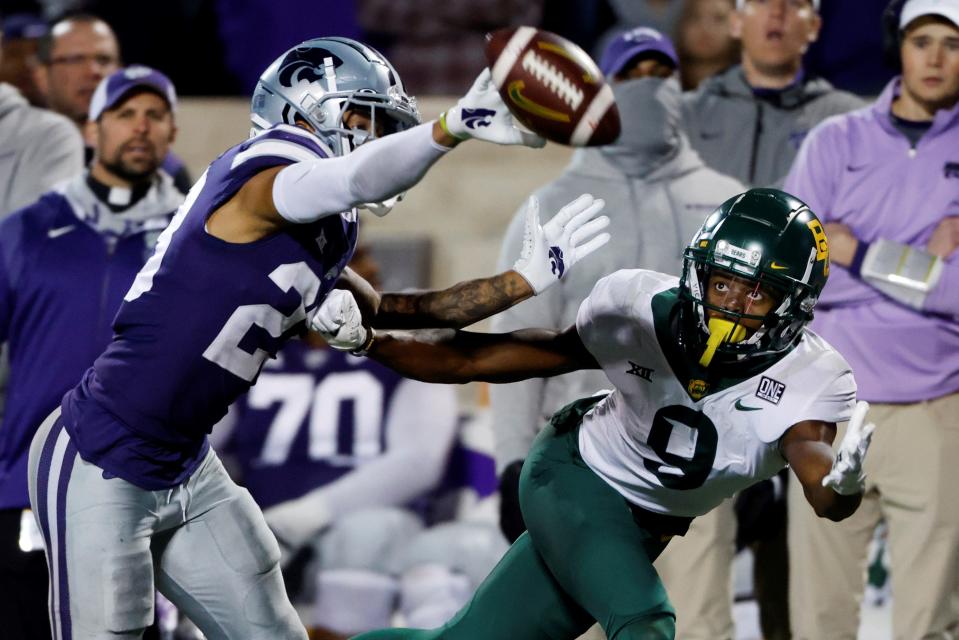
x: 858, y: 169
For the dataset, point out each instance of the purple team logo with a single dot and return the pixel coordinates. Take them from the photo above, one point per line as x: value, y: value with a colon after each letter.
x: 556, y: 263
x: 473, y: 118
x: 305, y: 64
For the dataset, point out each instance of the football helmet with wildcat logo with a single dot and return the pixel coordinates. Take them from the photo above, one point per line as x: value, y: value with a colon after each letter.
x: 320, y: 80
x: 768, y: 237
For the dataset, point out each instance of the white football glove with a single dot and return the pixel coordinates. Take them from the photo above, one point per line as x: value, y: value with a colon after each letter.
x: 340, y: 322
x: 550, y: 250
x: 481, y: 114
x: 846, y: 476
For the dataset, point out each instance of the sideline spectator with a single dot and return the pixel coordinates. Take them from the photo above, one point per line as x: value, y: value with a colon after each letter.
x: 77, y: 53
x: 37, y: 150
x: 65, y: 263
x: 704, y: 42
x: 885, y: 178
x: 18, y: 59
x: 749, y: 121
x: 657, y: 191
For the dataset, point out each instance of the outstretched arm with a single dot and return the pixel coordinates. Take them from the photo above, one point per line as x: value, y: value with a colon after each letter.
x: 378, y: 170
x: 447, y: 356
x: 455, y: 307
x: 833, y: 485
x: 549, y: 251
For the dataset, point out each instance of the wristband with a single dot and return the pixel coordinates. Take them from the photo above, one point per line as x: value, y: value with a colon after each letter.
x: 446, y: 128
x: 367, y: 344
x: 855, y: 267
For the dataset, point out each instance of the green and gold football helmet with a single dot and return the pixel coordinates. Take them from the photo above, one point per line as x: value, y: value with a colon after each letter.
x: 765, y: 236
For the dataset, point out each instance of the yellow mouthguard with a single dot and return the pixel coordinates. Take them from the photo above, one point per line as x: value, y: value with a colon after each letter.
x: 720, y: 331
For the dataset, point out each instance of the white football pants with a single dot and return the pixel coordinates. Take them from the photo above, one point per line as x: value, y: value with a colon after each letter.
x: 203, y: 544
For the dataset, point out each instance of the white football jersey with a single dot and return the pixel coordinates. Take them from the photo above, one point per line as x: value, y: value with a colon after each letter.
x: 669, y: 439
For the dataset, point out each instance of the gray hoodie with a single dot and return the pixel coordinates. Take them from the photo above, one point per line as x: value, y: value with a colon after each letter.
x: 38, y: 148
x: 755, y: 135
x: 657, y: 192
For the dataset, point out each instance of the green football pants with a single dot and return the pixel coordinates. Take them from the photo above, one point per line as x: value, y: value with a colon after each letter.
x: 585, y: 557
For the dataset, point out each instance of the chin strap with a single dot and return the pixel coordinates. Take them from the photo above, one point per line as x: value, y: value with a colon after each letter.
x: 380, y: 209
x: 720, y: 331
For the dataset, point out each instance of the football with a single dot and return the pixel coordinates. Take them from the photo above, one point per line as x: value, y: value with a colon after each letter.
x: 552, y: 86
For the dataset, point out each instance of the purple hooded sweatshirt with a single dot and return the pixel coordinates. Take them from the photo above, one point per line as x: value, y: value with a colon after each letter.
x: 858, y: 169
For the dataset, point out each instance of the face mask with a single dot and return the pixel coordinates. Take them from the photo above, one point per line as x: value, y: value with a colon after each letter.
x: 649, y: 117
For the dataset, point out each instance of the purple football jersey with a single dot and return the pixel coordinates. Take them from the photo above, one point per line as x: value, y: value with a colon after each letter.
x: 201, y: 318
x: 313, y: 416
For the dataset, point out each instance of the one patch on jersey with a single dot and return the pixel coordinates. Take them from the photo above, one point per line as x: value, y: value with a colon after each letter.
x: 770, y: 390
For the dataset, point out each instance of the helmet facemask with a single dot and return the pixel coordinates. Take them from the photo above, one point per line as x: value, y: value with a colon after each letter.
x: 326, y: 117
x: 733, y: 331
x: 773, y: 243
x: 320, y: 82
x: 385, y: 116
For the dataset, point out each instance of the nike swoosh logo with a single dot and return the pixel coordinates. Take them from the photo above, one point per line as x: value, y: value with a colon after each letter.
x: 515, y: 91
x: 59, y: 231
x: 776, y: 265
x: 739, y: 405
x: 853, y: 168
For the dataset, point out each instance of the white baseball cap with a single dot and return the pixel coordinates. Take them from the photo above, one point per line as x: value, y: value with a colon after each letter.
x: 913, y: 9
x: 742, y: 3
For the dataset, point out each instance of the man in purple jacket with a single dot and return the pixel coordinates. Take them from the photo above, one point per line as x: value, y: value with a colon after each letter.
x: 65, y: 263
x: 886, y: 181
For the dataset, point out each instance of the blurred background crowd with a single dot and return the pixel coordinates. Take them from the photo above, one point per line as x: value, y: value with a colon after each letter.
x: 219, y: 47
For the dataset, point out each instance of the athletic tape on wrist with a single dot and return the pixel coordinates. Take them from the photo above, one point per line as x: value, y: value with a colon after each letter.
x: 904, y: 273
x: 367, y: 345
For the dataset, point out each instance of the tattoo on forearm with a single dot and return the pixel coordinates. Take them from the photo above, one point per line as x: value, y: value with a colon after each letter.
x: 459, y: 306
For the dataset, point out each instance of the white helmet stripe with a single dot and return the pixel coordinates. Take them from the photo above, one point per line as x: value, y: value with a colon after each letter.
x: 809, y: 265
x: 330, y: 72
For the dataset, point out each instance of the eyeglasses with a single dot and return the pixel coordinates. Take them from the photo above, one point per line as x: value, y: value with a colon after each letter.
x: 101, y: 60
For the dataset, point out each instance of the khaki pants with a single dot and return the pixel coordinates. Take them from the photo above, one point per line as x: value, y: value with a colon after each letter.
x: 913, y: 482
x: 697, y: 572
